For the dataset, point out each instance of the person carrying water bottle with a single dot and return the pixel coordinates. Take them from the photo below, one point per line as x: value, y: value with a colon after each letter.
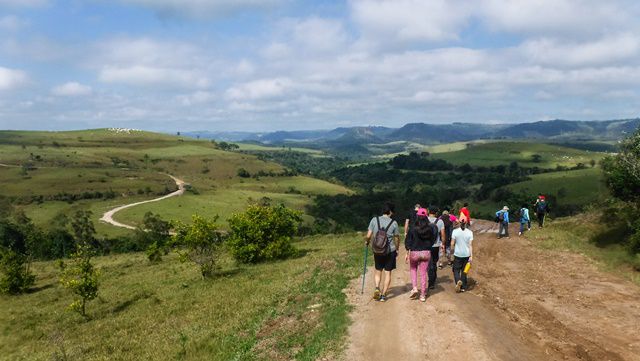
x: 462, y: 244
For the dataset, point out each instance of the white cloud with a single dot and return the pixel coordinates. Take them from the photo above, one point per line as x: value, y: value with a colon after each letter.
x: 202, y: 9
x: 607, y: 50
x: 148, y: 62
x: 12, y: 23
x: 11, y: 78
x: 576, y: 18
x: 148, y: 76
x: 260, y: 89
x: 71, y: 89
x: 410, y: 20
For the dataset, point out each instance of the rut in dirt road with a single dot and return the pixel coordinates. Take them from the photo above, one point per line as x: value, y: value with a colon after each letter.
x: 108, y: 216
x: 506, y: 314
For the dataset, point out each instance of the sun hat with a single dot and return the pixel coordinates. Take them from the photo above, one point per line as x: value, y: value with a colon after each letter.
x: 422, y: 212
x: 505, y: 208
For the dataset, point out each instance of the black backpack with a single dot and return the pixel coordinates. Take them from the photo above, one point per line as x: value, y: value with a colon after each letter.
x: 541, y: 207
x: 380, y: 244
x: 446, y: 219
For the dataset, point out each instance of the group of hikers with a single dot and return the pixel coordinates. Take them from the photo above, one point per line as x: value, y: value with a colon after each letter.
x: 541, y: 208
x: 432, y: 236
x: 428, y: 235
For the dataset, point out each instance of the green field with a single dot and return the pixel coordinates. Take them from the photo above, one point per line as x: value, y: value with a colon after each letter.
x: 134, y: 165
x: 580, y: 187
x: 293, y: 309
x: 263, y: 148
x: 496, y: 153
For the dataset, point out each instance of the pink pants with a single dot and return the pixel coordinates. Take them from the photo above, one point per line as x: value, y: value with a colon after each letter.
x: 419, y: 261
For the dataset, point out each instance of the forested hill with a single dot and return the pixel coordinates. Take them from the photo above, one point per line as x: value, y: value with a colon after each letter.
x: 560, y: 130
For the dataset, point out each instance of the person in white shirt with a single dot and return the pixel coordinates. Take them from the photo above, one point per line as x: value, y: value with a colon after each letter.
x: 462, y: 245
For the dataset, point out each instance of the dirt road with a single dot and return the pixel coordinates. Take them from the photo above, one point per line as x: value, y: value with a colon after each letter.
x: 108, y: 216
x: 524, y: 304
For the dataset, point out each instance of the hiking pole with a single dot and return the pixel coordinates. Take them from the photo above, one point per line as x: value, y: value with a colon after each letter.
x: 364, y: 268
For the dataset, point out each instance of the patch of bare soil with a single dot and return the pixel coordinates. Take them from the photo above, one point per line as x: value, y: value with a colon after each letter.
x: 526, y: 304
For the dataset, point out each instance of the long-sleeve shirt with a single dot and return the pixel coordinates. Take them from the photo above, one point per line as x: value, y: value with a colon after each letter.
x: 505, y: 218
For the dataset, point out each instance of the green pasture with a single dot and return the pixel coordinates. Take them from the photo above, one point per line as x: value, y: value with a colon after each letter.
x: 264, y: 148
x: 292, y: 309
x: 293, y: 192
x: 496, y: 153
x: 580, y: 187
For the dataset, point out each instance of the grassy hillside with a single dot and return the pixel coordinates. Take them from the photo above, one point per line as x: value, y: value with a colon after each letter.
x: 590, y: 235
x: 496, y: 153
x: 293, y: 309
x: 576, y: 187
x: 46, y: 173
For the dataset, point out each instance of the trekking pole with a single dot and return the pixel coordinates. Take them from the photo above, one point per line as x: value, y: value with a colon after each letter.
x: 364, y: 268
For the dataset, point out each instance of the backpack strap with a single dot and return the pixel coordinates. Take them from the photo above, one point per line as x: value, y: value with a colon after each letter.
x: 378, y: 220
x: 388, y: 226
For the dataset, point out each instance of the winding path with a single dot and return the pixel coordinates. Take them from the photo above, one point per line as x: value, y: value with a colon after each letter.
x: 108, y: 216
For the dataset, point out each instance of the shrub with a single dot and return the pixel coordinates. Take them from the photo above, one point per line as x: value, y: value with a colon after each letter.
x: 15, y: 276
x: 153, y: 235
x: 81, y: 277
x: 200, y: 241
x: 263, y: 233
x: 243, y: 173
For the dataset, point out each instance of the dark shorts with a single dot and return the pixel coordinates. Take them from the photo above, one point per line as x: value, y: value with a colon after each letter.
x: 386, y: 262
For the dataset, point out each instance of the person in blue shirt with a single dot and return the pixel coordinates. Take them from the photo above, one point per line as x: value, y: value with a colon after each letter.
x: 524, y: 218
x: 502, y: 217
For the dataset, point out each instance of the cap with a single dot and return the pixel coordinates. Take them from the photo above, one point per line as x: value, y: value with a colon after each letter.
x: 422, y: 212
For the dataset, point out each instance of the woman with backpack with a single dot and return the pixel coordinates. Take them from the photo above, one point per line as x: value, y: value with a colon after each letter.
x: 423, y: 236
x: 524, y: 218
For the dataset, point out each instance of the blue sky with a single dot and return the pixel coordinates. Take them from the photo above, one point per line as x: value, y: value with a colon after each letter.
x: 259, y: 65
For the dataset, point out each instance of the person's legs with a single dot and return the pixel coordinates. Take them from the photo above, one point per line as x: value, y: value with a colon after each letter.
x: 463, y: 276
x: 540, y: 219
x: 501, y: 230
x: 387, y: 282
x: 433, y: 266
x: 422, y: 267
x: 506, y: 229
x: 413, y: 269
x: 457, y: 270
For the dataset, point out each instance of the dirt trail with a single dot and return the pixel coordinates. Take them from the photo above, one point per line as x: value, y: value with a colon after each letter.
x: 524, y: 304
x: 108, y: 216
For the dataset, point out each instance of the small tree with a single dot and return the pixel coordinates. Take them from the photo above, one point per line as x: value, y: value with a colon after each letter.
x: 536, y: 158
x: 200, y: 242
x: 263, y: 233
x: 243, y: 173
x: 15, y: 276
x: 81, y: 277
x: 153, y: 235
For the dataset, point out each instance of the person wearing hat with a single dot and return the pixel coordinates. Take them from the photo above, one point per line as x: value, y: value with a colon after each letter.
x: 418, y: 245
x: 502, y: 217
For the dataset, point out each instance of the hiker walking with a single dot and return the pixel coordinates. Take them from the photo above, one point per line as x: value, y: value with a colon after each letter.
x: 384, y: 236
x: 524, y: 218
x: 410, y: 220
x: 418, y: 246
x: 502, y: 217
x: 448, y: 220
x: 437, y: 247
x: 461, y: 242
x: 542, y: 208
x: 464, y: 215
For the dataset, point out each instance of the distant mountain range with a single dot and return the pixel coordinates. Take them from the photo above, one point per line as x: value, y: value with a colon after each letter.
x: 553, y: 130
